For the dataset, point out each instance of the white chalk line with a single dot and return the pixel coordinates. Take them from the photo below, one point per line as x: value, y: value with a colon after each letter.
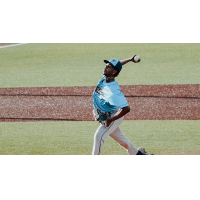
x: 12, y: 45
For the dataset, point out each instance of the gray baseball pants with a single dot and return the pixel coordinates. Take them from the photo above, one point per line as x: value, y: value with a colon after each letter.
x: 115, y: 132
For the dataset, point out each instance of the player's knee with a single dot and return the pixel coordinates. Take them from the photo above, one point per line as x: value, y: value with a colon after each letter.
x: 98, y: 136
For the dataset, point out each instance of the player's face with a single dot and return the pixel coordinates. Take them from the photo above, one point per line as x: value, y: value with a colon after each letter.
x: 109, y: 71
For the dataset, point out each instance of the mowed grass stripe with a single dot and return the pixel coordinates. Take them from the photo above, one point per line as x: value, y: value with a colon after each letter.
x: 49, y: 65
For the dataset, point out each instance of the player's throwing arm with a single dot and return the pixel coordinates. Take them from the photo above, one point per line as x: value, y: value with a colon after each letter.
x: 134, y: 59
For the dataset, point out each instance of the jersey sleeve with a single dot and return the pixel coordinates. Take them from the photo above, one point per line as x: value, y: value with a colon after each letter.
x: 118, y: 99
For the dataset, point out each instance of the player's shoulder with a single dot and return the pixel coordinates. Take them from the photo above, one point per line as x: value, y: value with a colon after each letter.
x: 115, y: 84
x: 101, y: 80
x: 115, y: 87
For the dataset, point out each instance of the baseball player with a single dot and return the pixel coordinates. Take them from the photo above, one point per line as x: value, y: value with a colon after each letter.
x: 110, y: 106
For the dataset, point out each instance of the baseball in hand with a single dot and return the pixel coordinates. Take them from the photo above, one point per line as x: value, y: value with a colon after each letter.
x: 137, y: 58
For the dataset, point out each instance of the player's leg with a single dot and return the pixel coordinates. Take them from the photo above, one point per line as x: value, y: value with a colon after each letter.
x: 102, y: 133
x: 119, y: 137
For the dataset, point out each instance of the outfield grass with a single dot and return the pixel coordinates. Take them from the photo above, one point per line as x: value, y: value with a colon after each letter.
x: 76, y: 138
x: 42, y: 65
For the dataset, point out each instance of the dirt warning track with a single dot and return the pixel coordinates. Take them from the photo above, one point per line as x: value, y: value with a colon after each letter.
x: 153, y: 102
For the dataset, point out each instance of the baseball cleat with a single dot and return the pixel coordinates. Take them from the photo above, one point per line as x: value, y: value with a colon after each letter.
x: 141, y: 151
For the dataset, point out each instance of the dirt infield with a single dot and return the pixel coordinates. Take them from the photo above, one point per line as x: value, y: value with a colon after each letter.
x: 6, y: 44
x: 153, y: 102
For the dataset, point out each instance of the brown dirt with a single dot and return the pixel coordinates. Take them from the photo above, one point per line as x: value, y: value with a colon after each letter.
x: 147, y: 102
x: 6, y: 44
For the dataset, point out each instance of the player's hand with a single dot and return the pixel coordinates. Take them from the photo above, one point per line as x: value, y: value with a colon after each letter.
x: 132, y: 59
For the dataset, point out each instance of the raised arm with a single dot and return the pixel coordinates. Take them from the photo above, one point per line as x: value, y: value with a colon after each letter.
x: 128, y: 60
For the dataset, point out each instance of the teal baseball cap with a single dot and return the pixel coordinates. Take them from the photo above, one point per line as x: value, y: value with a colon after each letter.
x: 115, y: 63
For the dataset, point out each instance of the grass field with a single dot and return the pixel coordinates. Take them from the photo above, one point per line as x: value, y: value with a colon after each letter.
x: 41, y: 65
x: 76, y: 138
x: 37, y: 65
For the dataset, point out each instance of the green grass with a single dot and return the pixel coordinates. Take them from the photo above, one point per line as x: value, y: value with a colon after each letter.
x: 42, y: 65
x: 35, y: 138
x: 76, y: 138
x: 168, y: 137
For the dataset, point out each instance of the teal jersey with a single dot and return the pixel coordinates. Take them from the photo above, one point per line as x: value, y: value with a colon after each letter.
x: 108, y: 97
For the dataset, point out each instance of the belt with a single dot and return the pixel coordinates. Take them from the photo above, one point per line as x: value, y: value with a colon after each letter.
x: 102, y: 117
x: 110, y: 112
